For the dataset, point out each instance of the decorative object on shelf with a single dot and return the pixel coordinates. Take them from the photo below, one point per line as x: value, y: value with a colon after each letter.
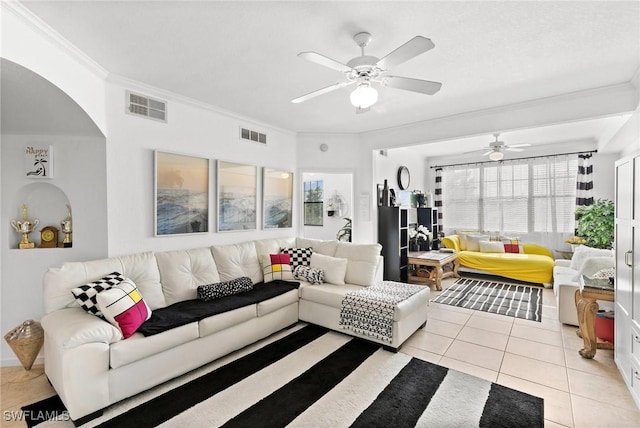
x: 25, y: 227
x: 26, y: 340
x: 237, y: 196
x: 392, y: 198
x: 38, y: 161
x: 277, y: 199
x: 404, y: 178
x: 596, y: 223
x: 49, y: 237
x: 419, y: 238
x: 344, y: 234
x: 66, y: 225
x: 385, y: 194
x: 181, y: 194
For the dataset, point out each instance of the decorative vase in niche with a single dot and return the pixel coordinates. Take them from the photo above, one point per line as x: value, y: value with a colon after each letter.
x: 385, y: 194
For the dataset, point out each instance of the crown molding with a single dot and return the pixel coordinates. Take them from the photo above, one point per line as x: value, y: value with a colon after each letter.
x: 20, y: 11
x: 167, y: 95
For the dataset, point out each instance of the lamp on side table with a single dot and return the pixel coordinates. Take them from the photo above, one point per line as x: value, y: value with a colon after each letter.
x: 26, y: 340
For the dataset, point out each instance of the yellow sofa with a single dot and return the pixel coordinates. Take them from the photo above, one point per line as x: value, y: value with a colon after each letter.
x: 534, y: 265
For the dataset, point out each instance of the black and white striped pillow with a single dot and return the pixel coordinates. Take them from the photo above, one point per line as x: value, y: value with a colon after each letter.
x: 309, y: 274
x: 86, y: 294
x: 299, y: 256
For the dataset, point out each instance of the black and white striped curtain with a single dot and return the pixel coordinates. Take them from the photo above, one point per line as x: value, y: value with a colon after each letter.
x: 438, y: 198
x: 584, y: 186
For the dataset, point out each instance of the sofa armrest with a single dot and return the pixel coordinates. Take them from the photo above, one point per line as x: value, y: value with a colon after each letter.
x: 72, y: 327
x: 563, y: 263
x: 536, y: 249
x: 452, y: 241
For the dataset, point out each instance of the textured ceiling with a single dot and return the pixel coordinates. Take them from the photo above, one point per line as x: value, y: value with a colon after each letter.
x: 241, y: 56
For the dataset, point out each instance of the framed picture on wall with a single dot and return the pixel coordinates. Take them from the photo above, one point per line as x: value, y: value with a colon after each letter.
x: 237, y: 195
x: 277, y: 198
x: 38, y: 161
x: 181, y: 194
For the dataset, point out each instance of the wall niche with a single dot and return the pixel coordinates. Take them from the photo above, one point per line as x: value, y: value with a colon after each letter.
x: 45, y: 202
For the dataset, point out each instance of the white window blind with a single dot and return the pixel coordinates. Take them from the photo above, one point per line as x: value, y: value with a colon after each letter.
x: 512, y: 197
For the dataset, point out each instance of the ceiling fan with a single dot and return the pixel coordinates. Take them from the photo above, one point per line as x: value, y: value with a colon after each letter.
x: 365, y: 70
x: 497, y: 148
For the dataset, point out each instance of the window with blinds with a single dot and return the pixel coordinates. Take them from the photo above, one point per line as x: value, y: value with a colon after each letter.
x: 536, y: 195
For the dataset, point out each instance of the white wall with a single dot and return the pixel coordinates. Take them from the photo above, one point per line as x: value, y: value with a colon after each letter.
x: 192, y: 129
x: 386, y: 167
x: 332, y: 182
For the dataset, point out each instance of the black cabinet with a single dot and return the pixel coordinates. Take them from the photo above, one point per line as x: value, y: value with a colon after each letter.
x: 393, y: 235
x: 429, y: 217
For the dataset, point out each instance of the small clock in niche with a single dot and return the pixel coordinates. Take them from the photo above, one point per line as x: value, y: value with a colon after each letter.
x: 49, y: 237
x: 403, y: 178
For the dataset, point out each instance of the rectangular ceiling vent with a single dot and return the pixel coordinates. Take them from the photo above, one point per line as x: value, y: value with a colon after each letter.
x: 255, y: 136
x: 142, y: 105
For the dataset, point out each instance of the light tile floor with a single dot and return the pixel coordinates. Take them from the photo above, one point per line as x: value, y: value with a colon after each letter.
x: 540, y: 358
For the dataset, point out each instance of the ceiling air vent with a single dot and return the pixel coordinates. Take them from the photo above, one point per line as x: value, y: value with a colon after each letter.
x: 255, y: 136
x: 141, y: 105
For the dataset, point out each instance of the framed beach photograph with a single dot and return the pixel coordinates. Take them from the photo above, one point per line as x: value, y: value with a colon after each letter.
x: 181, y: 194
x: 237, y: 196
x: 277, y: 198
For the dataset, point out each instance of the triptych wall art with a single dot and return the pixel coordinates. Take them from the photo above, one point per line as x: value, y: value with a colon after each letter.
x: 182, y: 195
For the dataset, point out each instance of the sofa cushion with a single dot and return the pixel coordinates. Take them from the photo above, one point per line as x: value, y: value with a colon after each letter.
x: 138, y: 346
x: 308, y: 274
x: 298, y: 256
x: 335, y: 269
x: 219, y: 322
x: 492, y: 247
x: 473, y: 241
x: 272, y: 246
x: 328, y: 248
x: 276, y: 266
x: 234, y: 261
x: 226, y: 288
x: 591, y: 265
x: 582, y: 252
x: 275, y: 303
x: 123, y: 306
x: 327, y: 294
x: 181, y: 272
x: 86, y: 294
x: 363, y: 261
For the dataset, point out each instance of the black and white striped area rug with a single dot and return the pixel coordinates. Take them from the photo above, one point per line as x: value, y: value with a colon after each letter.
x: 311, y: 377
x: 519, y: 301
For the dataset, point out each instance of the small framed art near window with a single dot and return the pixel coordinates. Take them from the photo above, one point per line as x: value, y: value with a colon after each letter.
x: 237, y: 194
x: 181, y: 194
x: 277, y: 198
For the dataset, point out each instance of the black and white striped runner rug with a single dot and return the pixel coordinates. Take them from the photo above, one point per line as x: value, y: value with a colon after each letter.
x: 311, y: 377
x: 519, y: 301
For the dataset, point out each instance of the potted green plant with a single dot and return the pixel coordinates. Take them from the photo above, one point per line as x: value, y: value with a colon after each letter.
x: 596, y: 223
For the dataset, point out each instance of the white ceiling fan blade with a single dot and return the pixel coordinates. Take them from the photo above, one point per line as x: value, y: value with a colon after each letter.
x: 520, y: 145
x: 412, y: 48
x: 513, y: 149
x: 488, y: 153
x: 325, y: 61
x: 320, y: 92
x: 415, y: 85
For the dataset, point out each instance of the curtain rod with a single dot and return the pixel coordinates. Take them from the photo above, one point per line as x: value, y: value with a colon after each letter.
x: 506, y: 160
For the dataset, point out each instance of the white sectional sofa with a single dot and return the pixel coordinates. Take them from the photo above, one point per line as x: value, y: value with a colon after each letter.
x: 585, y: 261
x: 91, y: 366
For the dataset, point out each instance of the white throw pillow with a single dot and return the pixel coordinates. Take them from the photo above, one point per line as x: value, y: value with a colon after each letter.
x: 463, y: 234
x: 473, y: 241
x: 591, y: 265
x: 491, y: 247
x: 583, y: 252
x: 334, y: 269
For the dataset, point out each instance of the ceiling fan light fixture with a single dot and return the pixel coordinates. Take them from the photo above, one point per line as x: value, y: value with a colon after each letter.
x: 364, y: 96
x: 496, y: 156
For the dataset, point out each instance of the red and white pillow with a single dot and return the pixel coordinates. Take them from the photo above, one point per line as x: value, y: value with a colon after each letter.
x: 276, y: 267
x: 123, y: 306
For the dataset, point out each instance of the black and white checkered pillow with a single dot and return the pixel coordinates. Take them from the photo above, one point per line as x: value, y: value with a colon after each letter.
x: 86, y: 294
x: 299, y: 256
x: 226, y: 288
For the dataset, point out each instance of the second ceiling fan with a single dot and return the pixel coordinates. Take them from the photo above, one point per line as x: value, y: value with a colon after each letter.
x: 497, y: 148
x: 365, y: 70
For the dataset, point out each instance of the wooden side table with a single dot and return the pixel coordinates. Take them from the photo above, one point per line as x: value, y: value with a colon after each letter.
x: 437, y: 261
x: 591, y: 290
